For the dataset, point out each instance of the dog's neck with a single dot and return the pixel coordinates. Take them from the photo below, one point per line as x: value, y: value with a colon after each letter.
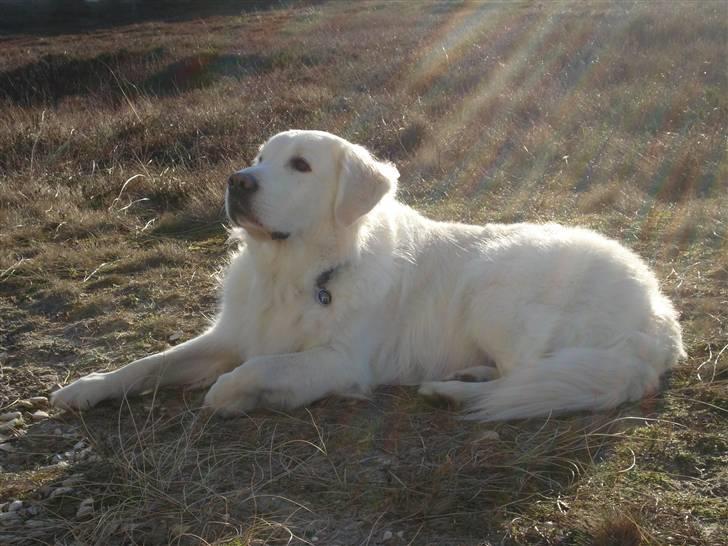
x: 301, y: 261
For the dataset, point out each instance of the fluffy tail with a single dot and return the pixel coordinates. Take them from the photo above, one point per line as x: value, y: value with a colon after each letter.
x: 569, y: 380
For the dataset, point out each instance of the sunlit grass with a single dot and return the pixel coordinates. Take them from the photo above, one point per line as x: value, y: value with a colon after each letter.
x: 114, y: 148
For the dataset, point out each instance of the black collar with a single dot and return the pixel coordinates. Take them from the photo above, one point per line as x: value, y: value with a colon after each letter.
x: 322, y: 294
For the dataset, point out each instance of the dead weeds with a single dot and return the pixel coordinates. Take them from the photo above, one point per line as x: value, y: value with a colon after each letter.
x: 114, y: 147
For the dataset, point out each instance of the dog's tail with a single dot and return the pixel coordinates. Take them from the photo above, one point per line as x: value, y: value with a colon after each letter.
x: 569, y: 380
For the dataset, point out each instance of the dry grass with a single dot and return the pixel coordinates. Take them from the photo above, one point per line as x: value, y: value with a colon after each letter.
x: 114, y: 145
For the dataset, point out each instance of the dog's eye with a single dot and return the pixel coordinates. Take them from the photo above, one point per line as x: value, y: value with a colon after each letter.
x: 301, y: 165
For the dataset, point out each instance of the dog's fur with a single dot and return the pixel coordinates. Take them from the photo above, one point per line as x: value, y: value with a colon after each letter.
x: 555, y: 318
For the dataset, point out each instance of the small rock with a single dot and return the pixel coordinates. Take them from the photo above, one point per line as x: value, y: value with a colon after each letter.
x: 39, y: 415
x: 15, y: 505
x: 57, y: 431
x: 10, y: 415
x: 39, y: 401
x: 44, y: 491
x: 25, y: 404
x: 57, y: 492
x: 12, y: 424
x: 9, y: 518
x: 84, y: 454
x: 387, y: 536
x: 57, y: 458
x: 32, y: 510
x: 400, y: 535
x: 79, y: 445
x: 86, y: 508
x: 489, y: 435
x: 175, y: 337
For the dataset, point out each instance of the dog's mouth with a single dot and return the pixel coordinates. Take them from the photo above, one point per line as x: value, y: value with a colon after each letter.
x: 253, y: 226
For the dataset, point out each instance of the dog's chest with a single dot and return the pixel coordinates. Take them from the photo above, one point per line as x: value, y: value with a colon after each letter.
x: 287, y: 318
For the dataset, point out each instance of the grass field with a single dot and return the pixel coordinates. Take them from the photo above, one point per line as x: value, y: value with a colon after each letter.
x: 115, y: 144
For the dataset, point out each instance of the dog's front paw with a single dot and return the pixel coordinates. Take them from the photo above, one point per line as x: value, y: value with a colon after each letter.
x: 232, y: 394
x: 81, y: 394
x: 252, y: 385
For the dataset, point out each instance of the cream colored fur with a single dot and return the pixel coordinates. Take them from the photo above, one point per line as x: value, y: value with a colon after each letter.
x: 557, y: 318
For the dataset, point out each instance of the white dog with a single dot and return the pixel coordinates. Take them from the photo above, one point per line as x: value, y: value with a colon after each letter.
x: 338, y: 287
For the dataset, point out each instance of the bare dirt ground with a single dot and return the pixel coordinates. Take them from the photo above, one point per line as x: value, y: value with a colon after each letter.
x: 115, y: 143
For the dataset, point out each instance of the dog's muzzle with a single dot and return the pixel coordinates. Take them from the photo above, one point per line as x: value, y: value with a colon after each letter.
x: 241, y: 187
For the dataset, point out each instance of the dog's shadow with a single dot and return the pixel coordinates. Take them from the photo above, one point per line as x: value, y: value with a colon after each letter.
x: 341, y: 464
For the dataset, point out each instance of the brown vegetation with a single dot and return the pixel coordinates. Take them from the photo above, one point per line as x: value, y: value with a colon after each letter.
x: 114, y: 145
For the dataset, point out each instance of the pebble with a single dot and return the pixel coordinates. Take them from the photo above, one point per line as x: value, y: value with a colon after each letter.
x: 10, y: 425
x: 400, y: 535
x: 32, y: 510
x: 40, y: 415
x: 491, y: 435
x: 9, y: 518
x: 175, y: 336
x: 61, y: 491
x: 86, y: 508
x: 15, y: 505
x: 44, y: 491
x: 10, y: 415
x: 387, y: 536
x: 79, y: 445
x: 39, y: 401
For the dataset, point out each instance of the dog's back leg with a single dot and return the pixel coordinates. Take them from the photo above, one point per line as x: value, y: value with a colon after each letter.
x: 475, y: 374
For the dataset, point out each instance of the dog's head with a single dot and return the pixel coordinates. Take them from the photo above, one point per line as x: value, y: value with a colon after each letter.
x: 302, y: 181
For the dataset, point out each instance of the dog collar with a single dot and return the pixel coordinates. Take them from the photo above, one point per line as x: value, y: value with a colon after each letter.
x: 323, y: 295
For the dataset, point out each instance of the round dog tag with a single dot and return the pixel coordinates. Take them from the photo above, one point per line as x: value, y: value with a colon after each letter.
x: 323, y: 296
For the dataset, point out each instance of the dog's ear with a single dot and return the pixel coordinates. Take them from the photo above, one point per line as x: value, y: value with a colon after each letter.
x: 363, y: 181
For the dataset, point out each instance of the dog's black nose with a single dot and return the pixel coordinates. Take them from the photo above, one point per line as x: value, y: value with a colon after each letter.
x: 243, y: 182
